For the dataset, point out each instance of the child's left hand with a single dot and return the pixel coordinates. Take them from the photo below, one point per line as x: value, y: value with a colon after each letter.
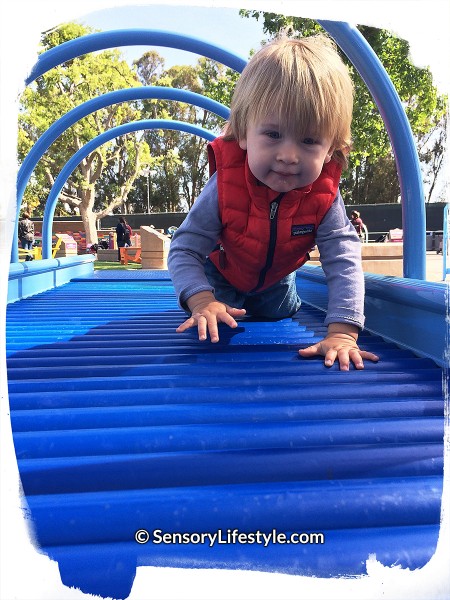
x: 340, y: 345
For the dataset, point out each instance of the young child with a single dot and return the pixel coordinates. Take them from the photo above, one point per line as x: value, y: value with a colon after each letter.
x: 272, y: 195
x: 357, y: 223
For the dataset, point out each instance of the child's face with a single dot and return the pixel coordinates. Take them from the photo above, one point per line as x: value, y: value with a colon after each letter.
x: 280, y: 160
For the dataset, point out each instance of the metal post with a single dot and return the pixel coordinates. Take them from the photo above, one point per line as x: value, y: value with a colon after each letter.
x: 391, y: 109
x: 445, y: 239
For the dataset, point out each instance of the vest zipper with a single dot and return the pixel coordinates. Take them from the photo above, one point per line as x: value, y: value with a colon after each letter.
x: 222, y: 257
x: 273, y: 217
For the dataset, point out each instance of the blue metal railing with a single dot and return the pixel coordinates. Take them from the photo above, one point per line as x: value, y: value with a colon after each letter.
x: 445, y: 241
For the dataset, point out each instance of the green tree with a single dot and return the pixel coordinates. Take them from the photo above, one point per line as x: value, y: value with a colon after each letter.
x: 181, y: 171
x: 371, y: 163
x: 111, y: 168
x: 432, y: 147
x: 165, y: 169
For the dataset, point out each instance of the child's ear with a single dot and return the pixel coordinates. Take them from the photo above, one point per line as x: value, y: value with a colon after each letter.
x: 243, y: 144
x: 328, y: 156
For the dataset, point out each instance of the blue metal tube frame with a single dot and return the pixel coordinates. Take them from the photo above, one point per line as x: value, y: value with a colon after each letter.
x: 132, y: 37
x: 385, y: 95
x: 77, y: 113
x: 73, y: 162
x: 364, y: 60
x: 112, y: 39
x: 445, y: 233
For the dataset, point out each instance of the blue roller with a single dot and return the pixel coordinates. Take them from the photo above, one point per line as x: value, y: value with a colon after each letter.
x: 178, y: 469
x: 98, y: 517
x: 67, y: 397
x: 175, y: 414
x: 221, y: 436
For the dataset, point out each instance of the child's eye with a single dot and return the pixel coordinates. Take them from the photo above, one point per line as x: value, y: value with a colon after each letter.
x: 273, y: 135
x: 308, y: 141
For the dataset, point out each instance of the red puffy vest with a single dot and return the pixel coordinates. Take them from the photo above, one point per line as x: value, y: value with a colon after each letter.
x: 266, y: 235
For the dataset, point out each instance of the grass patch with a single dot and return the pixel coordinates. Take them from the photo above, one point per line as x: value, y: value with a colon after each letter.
x: 105, y: 265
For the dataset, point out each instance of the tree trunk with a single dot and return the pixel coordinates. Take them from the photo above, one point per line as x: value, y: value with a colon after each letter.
x: 88, y: 216
x: 90, y: 226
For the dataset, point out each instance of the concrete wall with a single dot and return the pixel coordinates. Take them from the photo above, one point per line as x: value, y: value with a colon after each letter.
x: 158, y: 220
x: 381, y: 259
x: 383, y: 217
x: 377, y: 217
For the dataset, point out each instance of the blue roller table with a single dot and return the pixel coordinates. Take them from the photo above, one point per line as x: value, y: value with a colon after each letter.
x: 122, y: 425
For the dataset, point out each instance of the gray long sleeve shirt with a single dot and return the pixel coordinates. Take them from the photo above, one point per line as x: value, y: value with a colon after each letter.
x: 337, y: 241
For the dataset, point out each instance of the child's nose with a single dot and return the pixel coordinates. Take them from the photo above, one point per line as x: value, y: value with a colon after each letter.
x: 288, y: 153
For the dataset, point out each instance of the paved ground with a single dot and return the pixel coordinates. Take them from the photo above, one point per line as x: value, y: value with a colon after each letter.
x: 434, y: 267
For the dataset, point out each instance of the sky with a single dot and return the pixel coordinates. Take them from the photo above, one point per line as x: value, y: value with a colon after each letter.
x: 25, y: 573
x: 224, y: 26
x: 235, y: 33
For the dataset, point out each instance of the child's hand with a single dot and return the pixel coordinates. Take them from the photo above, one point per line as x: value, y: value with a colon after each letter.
x: 340, y: 344
x: 207, y: 312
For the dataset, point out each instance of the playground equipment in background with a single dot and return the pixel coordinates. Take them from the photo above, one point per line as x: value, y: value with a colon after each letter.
x: 34, y: 254
x: 155, y: 248
x: 65, y: 246
x: 381, y: 258
x: 130, y: 255
x: 395, y: 235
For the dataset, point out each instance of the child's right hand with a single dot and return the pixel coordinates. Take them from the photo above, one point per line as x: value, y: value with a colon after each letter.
x: 206, y: 313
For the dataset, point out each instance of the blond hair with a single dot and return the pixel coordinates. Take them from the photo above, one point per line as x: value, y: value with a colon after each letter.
x: 305, y: 82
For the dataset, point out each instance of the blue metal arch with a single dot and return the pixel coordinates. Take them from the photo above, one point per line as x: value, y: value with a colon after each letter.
x: 132, y: 37
x: 72, y: 163
x: 90, y: 106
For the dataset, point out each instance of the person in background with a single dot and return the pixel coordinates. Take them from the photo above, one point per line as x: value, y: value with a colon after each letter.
x: 130, y: 232
x: 273, y: 194
x: 26, y: 233
x: 358, y: 224
x: 123, y: 235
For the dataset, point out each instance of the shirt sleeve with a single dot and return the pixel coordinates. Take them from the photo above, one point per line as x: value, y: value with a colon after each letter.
x: 192, y: 242
x: 340, y: 254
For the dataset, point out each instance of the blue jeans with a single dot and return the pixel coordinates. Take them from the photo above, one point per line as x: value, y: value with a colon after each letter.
x: 276, y: 302
x: 26, y: 244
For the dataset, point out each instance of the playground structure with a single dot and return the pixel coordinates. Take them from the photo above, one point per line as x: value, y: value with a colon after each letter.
x: 121, y: 425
